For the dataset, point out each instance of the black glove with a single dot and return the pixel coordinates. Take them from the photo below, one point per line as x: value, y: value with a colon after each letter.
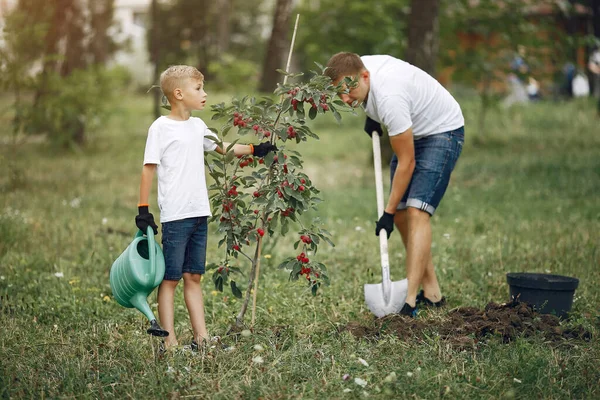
x: 144, y: 219
x: 371, y: 126
x: 261, y: 150
x: 385, y: 222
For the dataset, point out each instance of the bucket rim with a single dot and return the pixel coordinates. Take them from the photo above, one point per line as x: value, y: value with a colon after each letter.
x: 542, y: 281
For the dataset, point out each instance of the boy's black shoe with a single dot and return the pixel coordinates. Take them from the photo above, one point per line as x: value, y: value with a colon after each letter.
x: 409, y: 311
x: 425, y: 302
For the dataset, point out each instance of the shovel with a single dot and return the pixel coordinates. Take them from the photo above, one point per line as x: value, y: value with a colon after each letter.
x: 386, y: 297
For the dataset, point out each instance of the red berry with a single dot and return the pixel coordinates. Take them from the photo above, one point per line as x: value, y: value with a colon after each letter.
x: 220, y: 270
x: 236, y: 247
x: 255, y: 127
x: 303, y: 181
x: 301, y: 188
x: 255, y: 211
x: 261, y: 232
x: 256, y: 194
x: 261, y: 161
x: 324, y: 106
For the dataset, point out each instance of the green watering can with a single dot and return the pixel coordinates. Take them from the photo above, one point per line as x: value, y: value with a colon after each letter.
x: 135, y: 274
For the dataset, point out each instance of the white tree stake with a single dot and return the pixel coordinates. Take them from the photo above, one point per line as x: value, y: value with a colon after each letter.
x: 287, y: 70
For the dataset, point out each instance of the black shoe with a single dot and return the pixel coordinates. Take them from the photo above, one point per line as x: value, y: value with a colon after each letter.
x: 425, y: 302
x: 409, y: 311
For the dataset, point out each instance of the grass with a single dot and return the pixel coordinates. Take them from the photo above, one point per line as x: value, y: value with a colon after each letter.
x: 524, y: 197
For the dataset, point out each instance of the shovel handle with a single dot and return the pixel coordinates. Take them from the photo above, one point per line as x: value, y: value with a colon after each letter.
x: 383, y: 246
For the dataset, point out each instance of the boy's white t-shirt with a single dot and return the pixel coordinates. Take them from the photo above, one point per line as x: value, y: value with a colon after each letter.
x: 177, y: 148
x: 403, y: 96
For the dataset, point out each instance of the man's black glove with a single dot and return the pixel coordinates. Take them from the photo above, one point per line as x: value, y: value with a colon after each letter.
x: 371, y: 126
x: 385, y: 222
x: 261, y: 150
x: 144, y: 219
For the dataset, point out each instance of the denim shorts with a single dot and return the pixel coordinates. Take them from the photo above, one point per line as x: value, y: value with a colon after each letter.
x: 184, y: 247
x: 435, y: 158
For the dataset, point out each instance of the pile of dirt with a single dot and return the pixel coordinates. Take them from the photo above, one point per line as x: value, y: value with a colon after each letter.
x: 465, y: 326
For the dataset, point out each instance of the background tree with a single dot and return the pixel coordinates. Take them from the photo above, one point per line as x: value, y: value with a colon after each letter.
x: 276, y: 48
x: 423, y: 35
x: 72, y: 43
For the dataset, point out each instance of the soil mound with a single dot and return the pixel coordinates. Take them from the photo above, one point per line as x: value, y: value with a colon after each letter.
x: 465, y: 326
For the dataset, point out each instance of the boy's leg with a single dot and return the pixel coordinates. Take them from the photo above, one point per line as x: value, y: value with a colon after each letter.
x: 194, y: 300
x: 166, y: 301
x: 175, y: 236
x: 193, y: 269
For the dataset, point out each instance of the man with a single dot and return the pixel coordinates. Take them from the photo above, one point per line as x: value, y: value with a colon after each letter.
x: 426, y: 129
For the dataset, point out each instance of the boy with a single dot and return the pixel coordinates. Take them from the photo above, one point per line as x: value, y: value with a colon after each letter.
x: 175, y: 150
x: 426, y: 129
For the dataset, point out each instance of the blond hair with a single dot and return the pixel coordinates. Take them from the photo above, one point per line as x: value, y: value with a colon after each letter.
x: 173, y: 77
x: 344, y: 64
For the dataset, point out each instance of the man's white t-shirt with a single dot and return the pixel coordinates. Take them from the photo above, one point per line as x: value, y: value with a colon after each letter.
x: 403, y: 96
x: 177, y: 148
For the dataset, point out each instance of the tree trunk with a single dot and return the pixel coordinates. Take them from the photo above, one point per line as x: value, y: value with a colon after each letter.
x: 224, y: 27
x: 423, y: 35
x: 155, y: 55
x: 276, y: 47
x: 101, y: 19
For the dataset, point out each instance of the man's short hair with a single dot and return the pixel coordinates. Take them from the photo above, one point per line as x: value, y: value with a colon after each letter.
x: 173, y: 77
x: 344, y: 64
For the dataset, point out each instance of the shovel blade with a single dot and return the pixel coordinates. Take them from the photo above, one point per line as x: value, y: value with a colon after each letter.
x: 376, y: 302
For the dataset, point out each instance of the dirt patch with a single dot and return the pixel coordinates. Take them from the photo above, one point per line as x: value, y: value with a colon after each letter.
x: 466, y: 326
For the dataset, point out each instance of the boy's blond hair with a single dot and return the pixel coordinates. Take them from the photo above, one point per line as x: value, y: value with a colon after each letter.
x: 344, y: 64
x: 173, y: 77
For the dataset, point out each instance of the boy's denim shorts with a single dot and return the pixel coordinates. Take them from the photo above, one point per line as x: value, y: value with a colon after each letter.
x: 435, y: 158
x: 184, y: 247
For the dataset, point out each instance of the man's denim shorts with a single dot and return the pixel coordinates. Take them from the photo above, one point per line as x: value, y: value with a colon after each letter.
x: 184, y: 247
x: 435, y: 158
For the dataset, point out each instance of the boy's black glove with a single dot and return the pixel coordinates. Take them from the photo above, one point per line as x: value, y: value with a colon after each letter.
x: 261, y: 150
x: 385, y: 222
x: 144, y: 219
x: 371, y: 126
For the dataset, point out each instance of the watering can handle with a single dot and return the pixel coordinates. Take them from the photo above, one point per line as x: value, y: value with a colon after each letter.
x: 151, y: 248
x: 383, y: 245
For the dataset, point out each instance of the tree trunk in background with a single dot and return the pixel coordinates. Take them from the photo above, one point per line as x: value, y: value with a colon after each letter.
x: 74, y: 56
x: 155, y: 56
x: 277, y: 46
x: 423, y: 35
x: 224, y: 27
x: 100, y: 46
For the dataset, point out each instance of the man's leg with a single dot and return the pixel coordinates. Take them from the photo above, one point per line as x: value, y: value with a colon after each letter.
x: 192, y: 293
x: 429, y: 280
x: 166, y: 304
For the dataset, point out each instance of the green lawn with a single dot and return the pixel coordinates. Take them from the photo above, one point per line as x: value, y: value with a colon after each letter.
x: 525, y: 197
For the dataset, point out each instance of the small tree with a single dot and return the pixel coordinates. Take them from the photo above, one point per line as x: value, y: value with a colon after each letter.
x: 255, y: 197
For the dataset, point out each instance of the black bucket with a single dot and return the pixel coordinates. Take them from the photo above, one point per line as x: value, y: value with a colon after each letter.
x: 548, y: 294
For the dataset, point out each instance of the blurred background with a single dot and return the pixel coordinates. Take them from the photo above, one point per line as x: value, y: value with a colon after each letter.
x: 64, y: 62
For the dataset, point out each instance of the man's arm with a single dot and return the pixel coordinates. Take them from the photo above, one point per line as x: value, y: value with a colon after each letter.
x: 404, y: 147
x: 146, y: 184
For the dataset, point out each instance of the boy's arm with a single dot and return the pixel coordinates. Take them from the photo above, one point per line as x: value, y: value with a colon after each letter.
x: 146, y: 183
x: 260, y: 150
x: 144, y: 219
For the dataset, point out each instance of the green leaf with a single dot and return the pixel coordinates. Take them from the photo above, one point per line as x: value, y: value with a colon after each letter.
x: 234, y: 289
x: 312, y: 113
x: 219, y: 283
x: 314, y: 288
